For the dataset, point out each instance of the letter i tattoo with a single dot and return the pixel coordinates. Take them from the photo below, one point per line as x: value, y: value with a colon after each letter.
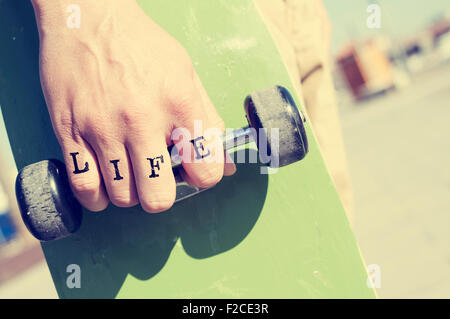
x: 116, y: 168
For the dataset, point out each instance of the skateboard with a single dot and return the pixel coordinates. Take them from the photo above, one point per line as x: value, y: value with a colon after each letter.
x: 280, y: 235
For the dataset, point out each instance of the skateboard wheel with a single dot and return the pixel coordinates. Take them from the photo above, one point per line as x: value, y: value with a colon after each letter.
x: 47, y: 205
x: 274, y: 108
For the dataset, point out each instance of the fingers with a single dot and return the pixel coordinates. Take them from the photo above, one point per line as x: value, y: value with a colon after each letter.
x: 116, y: 169
x: 133, y: 166
x: 215, y: 121
x: 211, y: 114
x: 84, y: 174
x: 148, y: 160
x: 152, y: 169
x: 198, y: 141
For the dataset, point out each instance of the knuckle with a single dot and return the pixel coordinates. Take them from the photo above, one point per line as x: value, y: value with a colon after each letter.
x: 85, y: 186
x: 185, y: 61
x: 98, y: 205
x: 95, y: 125
x: 186, y: 102
x: 136, y: 123
x: 123, y: 201
x: 133, y: 118
x: 96, y: 121
x: 63, y: 119
x: 187, y: 111
x: 97, y: 128
x: 218, y: 124
x: 158, y: 203
x: 97, y: 208
x: 65, y: 126
x: 209, y: 176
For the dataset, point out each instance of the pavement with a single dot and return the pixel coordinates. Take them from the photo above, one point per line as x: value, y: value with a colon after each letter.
x: 399, y: 155
x: 34, y: 283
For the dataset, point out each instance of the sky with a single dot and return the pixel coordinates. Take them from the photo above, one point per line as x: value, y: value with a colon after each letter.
x: 399, y: 18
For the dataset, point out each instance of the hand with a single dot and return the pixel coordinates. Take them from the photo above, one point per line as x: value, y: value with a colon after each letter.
x: 116, y: 88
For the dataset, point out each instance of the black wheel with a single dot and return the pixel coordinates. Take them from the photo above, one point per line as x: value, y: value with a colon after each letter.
x: 274, y: 108
x: 46, y: 202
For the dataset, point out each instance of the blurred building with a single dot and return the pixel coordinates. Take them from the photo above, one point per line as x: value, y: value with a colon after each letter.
x: 428, y: 47
x: 369, y: 67
x: 365, y: 67
x: 440, y: 29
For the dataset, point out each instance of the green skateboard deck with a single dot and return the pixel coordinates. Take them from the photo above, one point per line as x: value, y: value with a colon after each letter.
x: 283, y: 235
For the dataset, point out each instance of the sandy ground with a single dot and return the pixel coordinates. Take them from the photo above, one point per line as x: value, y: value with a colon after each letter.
x: 399, y: 155
x: 34, y: 283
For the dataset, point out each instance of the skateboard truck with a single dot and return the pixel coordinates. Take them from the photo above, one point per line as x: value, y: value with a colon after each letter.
x: 49, y: 208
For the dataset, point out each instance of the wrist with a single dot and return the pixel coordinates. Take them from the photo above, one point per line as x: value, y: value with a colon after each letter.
x: 56, y: 15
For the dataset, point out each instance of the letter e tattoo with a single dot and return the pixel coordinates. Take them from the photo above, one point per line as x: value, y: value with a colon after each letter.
x: 199, y: 146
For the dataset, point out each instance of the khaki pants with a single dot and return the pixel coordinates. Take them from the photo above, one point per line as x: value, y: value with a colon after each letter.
x: 301, y: 30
